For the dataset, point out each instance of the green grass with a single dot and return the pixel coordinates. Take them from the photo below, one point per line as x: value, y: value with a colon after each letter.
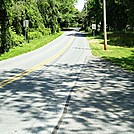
x: 121, y: 55
x: 121, y: 39
x: 26, y: 47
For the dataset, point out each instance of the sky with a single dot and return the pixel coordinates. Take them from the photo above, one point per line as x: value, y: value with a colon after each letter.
x: 80, y: 5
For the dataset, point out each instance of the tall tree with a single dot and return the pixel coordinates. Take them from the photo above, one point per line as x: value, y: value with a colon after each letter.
x: 93, y: 13
x: 49, y: 12
x: 116, y: 14
x: 43, y: 16
x: 119, y: 13
x: 4, y: 23
x: 67, y: 12
x: 130, y: 11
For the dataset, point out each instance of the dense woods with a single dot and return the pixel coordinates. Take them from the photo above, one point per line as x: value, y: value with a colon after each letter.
x: 45, y: 17
x: 120, y: 14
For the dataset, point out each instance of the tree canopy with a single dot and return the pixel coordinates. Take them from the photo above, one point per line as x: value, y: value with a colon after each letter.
x: 45, y: 17
x: 120, y: 14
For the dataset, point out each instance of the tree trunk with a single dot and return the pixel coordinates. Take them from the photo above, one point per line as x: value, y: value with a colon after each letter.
x: 4, y: 23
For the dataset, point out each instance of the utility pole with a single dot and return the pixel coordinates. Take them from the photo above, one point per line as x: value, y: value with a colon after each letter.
x: 105, y: 30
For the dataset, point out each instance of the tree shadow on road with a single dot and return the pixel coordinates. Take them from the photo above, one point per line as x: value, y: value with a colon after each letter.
x: 36, y: 101
x: 101, y: 100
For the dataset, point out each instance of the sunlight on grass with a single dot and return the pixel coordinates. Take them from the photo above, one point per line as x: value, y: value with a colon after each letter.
x: 121, y: 56
x: 26, y: 47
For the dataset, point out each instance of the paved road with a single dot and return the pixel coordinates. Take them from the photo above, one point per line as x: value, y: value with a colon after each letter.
x: 61, y: 88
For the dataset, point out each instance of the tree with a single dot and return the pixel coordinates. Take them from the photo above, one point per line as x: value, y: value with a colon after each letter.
x: 130, y: 11
x: 4, y: 23
x: 93, y: 13
x: 67, y: 12
x: 119, y: 13
x: 43, y: 16
x: 49, y: 13
x: 116, y: 15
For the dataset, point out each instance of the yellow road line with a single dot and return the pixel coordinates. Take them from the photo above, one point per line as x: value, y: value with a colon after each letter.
x: 36, y: 67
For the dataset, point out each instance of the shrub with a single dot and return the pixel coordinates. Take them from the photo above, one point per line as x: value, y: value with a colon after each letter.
x: 89, y: 30
x: 15, y: 39
x: 35, y: 34
x: 46, y: 31
x: 43, y: 30
x: 58, y: 28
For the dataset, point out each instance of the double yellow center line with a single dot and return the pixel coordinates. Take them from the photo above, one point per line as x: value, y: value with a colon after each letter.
x: 36, y: 67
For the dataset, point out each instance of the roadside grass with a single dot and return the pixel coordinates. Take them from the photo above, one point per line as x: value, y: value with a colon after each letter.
x: 121, y: 39
x: 119, y: 50
x: 27, y: 47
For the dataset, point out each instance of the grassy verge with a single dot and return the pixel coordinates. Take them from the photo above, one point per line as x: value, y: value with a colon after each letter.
x: 24, y: 48
x: 117, y: 51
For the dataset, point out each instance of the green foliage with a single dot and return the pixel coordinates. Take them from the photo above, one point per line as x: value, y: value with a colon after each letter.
x: 46, y: 31
x: 116, y: 15
x: 45, y: 17
x: 119, y: 14
x: 17, y: 11
x: 33, y: 14
x: 4, y: 26
x: 92, y: 13
x: 38, y: 33
x: 49, y: 12
x: 67, y: 13
x: 15, y: 39
x: 89, y: 30
x: 33, y: 35
x: 130, y: 11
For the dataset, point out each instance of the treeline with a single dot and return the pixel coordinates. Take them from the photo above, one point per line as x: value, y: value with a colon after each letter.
x: 120, y: 14
x: 45, y: 17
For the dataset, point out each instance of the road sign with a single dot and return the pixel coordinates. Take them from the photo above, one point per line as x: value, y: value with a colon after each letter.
x: 94, y: 26
x: 26, y: 23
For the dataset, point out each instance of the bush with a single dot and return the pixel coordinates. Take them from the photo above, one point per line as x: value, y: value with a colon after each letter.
x: 46, y: 31
x: 75, y: 24
x: 89, y: 30
x: 58, y: 28
x: 35, y: 34
x: 15, y: 39
x: 38, y: 32
x: 43, y: 30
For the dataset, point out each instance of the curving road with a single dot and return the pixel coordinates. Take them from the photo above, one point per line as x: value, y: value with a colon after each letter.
x: 61, y: 88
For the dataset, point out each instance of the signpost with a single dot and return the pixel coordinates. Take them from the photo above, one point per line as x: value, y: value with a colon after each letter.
x: 26, y: 25
x: 93, y: 28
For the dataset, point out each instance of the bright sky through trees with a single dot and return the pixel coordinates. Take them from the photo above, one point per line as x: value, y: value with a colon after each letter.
x: 80, y: 5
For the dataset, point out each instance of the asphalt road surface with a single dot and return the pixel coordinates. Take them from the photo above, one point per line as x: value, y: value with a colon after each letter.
x: 62, y: 89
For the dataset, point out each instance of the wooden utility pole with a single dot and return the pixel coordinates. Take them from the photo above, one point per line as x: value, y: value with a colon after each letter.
x: 105, y: 30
